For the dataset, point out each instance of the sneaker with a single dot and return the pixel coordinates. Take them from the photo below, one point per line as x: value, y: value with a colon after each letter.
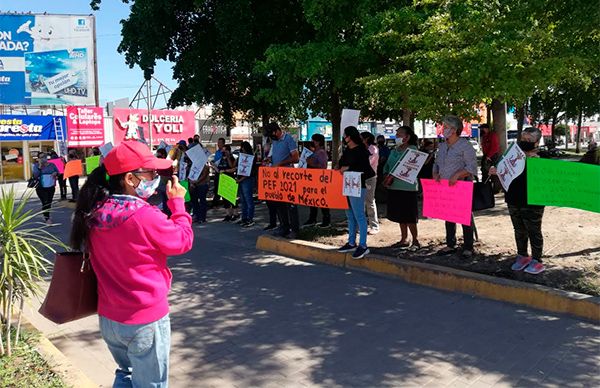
x: 360, y: 252
x: 467, y: 253
x: 324, y: 225
x: 233, y: 218
x: 415, y: 246
x: 309, y: 223
x: 535, y: 267
x: 240, y: 222
x: 249, y: 224
x: 446, y: 251
x: 227, y: 219
x: 347, y: 248
x: 373, y: 231
x: 269, y: 227
x: 521, y: 263
x: 402, y: 245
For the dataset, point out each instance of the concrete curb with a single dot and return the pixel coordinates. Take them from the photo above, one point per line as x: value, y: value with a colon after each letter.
x: 450, y: 279
x: 57, y: 361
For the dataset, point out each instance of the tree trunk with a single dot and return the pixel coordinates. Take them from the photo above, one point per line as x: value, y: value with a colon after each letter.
x: 265, y: 119
x: 18, y: 331
x: 499, y: 115
x: 408, y: 118
x: 336, y: 118
x: 8, y: 320
x: 520, y: 119
x: 488, y: 114
x: 578, y: 136
x: 554, y: 117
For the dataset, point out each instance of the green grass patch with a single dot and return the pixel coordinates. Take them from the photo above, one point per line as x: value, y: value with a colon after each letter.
x: 26, y: 368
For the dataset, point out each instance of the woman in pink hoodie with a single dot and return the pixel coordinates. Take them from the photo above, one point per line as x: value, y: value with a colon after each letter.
x: 128, y: 241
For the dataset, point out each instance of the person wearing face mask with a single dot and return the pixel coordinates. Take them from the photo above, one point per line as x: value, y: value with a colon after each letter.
x: 402, y: 202
x: 318, y: 159
x: 371, y: 183
x: 46, y: 174
x: 526, y: 219
x: 455, y: 160
x: 284, y: 153
x: 128, y: 241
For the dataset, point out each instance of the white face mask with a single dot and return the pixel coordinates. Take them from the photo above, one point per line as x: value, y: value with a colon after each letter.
x: 145, y: 189
x: 448, y: 132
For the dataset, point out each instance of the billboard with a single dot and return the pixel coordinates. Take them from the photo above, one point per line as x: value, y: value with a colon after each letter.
x: 169, y: 126
x: 20, y: 127
x: 85, y: 126
x: 47, y: 60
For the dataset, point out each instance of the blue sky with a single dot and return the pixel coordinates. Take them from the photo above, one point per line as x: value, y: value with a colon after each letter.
x: 115, y: 78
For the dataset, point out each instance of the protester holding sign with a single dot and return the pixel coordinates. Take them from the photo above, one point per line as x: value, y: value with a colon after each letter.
x: 402, y: 201
x: 74, y: 180
x: 526, y: 218
x: 246, y: 187
x: 455, y: 160
x: 371, y: 183
x: 62, y: 182
x: 490, y: 146
x: 284, y: 153
x: 227, y: 165
x: 46, y: 174
x: 356, y: 158
x: 318, y: 159
x: 128, y: 241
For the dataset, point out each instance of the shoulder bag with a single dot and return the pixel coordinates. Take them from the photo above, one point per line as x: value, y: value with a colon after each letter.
x: 73, y: 291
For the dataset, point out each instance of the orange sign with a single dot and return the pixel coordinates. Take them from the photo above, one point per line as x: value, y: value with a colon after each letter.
x: 73, y: 168
x: 307, y: 187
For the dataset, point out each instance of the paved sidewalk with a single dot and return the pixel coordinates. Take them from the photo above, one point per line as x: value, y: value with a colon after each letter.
x: 245, y: 318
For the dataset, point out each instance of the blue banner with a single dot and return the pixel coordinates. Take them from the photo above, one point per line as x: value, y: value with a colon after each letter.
x: 18, y: 127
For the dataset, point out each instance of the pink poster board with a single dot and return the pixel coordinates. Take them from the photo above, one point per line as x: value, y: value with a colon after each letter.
x: 448, y: 203
x: 59, y: 164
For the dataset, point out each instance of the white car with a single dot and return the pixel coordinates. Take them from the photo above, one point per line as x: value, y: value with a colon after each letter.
x: 475, y: 145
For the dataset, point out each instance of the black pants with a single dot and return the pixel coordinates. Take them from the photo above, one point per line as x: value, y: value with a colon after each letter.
x: 314, y: 211
x: 216, y: 197
x: 46, y: 195
x: 451, y: 236
x: 288, y: 215
x: 527, y: 222
x: 272, y: 207
x: 74, y: 183
x: 62, y: 184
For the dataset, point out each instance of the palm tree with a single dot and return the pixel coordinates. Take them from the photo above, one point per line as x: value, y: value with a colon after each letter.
x: 24, y: 244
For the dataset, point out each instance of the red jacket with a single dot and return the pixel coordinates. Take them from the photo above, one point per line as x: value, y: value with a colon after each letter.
x: 490, y: 145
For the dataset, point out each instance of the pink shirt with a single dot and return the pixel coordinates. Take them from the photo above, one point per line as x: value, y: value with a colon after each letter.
x: 374, y: 158
x: 129, y: 244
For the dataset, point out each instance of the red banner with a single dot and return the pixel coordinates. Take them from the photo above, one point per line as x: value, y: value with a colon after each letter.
x: 169, y: 126
x: 85, y: 126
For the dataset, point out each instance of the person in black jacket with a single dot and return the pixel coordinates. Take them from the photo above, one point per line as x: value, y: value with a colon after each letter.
x: 356, y: 158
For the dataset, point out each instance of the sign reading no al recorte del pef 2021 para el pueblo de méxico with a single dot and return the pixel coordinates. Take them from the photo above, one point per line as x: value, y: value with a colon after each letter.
x: 307, y: 187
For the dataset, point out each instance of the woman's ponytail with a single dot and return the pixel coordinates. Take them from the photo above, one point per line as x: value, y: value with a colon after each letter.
x: 94, y: 192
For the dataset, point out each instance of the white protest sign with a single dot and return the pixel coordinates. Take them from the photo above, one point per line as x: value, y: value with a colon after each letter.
x: 105, y: 149
x: 511, y: 166
x: 408, y: 167
x: 352, y: 184
x: 182, y: 170
x: 245, y: 163
x: 349, y: 119
x: 306, y: 153
x: 195, y: 171
x: 197, y: 155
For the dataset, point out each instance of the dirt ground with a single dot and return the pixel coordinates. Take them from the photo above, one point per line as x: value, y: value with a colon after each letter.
x: 571, y: 246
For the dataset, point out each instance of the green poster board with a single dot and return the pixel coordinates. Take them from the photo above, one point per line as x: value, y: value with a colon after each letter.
x: 92, y: 163
x: 228, y: 188
x: 565, y: 184
x: 186, y: 184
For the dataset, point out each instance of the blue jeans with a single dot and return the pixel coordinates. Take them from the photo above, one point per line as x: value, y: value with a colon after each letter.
x: 357, y: 219
x: 140, y: 351
x: 247, y: 199
x: 199, y: 204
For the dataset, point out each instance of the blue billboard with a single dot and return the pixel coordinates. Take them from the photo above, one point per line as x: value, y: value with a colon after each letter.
x: 20, y: 127
x: 47, y: 60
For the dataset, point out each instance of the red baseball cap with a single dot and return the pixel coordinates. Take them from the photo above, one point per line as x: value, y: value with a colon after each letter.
x: 133, y: 155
